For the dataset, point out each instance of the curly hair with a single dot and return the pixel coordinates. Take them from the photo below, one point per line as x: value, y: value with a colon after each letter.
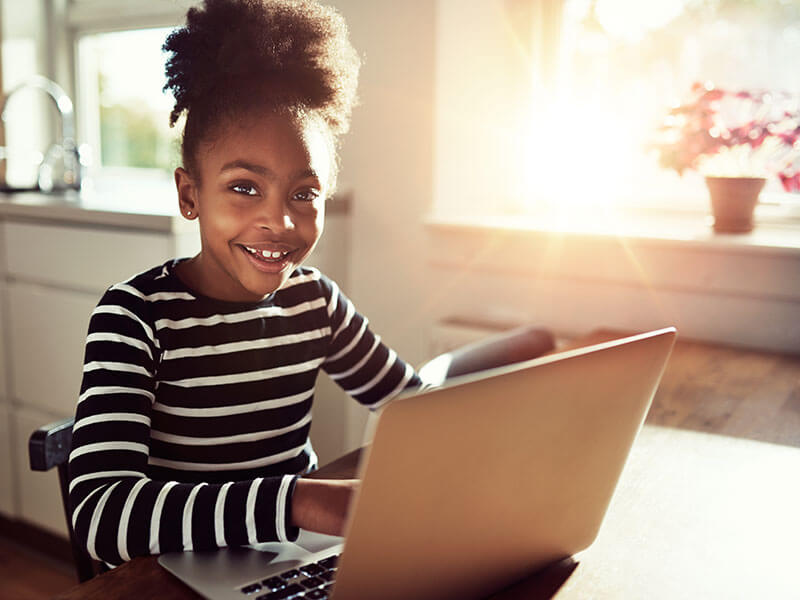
x: 236, y: 55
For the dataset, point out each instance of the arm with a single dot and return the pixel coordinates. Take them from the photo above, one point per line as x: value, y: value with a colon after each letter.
x: 118, y: 511
x: 358, y: 360
x: 322, y: 504
x: 517, y: 345
x: 372, y: 374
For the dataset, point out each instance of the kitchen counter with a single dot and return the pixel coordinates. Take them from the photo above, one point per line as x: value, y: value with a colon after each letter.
x: 92, y: 209
x: 156, y: 213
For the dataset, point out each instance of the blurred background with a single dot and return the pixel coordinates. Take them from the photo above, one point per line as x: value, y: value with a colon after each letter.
x: 503, y: 168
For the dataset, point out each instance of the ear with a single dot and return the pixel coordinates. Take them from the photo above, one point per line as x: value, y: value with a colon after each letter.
x: 187, y: 194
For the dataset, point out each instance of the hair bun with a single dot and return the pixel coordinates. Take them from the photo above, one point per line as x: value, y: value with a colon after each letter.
x: 287, y: 52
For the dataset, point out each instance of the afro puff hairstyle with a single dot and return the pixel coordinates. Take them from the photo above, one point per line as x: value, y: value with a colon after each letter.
x: 236, y: 55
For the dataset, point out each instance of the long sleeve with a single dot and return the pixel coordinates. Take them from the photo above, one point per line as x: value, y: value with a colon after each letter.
x: 194, y: 414
x: 358, y: 360
x: 118, y: 510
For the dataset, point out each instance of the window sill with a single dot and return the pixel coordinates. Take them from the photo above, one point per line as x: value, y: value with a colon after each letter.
x: 690, y: 229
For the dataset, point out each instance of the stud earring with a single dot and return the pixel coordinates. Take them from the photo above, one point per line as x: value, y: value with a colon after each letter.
x: 188, y: 213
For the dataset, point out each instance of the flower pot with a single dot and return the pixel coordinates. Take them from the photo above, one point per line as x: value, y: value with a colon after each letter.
x: 733, y: 200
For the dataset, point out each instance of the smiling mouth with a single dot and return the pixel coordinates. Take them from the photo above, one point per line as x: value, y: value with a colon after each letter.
x: 268, y: 256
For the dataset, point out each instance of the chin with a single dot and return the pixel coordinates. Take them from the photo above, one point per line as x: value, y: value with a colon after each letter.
x: 261, y: 289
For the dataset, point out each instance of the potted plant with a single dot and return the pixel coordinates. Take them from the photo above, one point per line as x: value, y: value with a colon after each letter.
x: 736, y: 140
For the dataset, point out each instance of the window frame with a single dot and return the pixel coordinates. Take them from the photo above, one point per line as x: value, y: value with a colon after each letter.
x: 76, y: 19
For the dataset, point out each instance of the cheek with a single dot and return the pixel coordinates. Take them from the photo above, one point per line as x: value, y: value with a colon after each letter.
x: 319, y: 222
x: 222, y: 225
x: 310, y: 221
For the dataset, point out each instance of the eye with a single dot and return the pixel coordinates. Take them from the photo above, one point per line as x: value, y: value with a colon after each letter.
x: 244, y: 188
x: 307, y: 195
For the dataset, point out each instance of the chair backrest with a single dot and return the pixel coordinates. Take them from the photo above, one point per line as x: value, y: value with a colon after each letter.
x: 49, y: 447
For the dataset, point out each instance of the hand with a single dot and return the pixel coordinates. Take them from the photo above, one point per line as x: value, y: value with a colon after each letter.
x: 322, y: 504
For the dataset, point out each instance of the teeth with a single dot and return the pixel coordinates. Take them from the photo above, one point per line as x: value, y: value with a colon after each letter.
x: 273, y: 255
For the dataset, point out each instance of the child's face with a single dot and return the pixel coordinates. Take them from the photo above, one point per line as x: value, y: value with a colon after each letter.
x: 261, y: 204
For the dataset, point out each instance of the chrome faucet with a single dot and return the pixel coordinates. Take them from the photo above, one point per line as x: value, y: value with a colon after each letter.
x: 65, y: 148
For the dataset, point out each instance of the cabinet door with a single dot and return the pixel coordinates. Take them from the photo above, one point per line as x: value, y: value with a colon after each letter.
x: 82, y: 258
x: 47, y: 333
x: 7, y: 486
x: 39, y: 496
x: 4, y: 387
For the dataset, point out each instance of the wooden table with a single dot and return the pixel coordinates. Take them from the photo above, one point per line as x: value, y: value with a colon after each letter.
x: 695, y: 515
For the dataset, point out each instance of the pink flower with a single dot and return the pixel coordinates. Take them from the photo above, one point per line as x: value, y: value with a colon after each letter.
x: 790, y: 183
x: 760, y: 128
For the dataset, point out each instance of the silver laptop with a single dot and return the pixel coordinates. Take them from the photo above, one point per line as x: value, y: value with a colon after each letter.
x: 466, y: 488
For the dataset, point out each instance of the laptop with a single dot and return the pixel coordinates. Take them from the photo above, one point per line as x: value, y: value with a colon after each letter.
x: 466, y: 488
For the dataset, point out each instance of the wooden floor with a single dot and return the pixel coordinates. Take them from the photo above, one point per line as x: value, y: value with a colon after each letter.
x: 733, y: 392
x: 29, y: 575
x: 709, y: 388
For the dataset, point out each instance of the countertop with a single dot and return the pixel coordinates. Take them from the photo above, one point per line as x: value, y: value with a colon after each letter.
x: 87, y: 208
x: 157, y: 213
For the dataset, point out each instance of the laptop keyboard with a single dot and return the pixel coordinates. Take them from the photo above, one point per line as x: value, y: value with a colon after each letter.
x: 313, y: 581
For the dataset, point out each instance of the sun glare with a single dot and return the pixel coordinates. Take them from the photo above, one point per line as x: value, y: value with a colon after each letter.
x: 587, y: 136
x: 632, y: 20
x: 575, y: 151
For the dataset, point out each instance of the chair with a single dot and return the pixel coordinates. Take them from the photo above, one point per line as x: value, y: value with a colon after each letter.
x: 49, y: 447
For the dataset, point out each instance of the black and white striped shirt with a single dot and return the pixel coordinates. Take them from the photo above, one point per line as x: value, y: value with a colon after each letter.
x: 193, y: 418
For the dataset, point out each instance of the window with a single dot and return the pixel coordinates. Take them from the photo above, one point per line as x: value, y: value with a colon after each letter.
x: 560, y: 112
x: 123, y: 111
x: 106, y: 55
x: 30, y: 118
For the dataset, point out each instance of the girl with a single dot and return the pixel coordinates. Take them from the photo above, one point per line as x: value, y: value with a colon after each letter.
x: 192, y: 424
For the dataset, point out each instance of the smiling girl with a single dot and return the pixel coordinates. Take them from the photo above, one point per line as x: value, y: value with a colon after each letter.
x: 192, y: 425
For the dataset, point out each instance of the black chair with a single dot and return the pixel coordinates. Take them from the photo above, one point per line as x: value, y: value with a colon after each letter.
x: 49, y: 447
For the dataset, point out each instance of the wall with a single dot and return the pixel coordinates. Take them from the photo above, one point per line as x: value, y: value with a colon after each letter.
x: 483, y: 100
x: 387, y: 160
x: 723, y: 291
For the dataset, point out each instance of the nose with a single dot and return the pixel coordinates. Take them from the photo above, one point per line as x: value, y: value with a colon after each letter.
x: 274, y: 215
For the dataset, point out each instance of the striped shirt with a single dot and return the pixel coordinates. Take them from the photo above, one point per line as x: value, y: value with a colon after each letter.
x: 193, y: 417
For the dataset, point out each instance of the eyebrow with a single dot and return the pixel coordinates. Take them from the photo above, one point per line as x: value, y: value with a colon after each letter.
x: 248, y: 166
x: 265, y: 171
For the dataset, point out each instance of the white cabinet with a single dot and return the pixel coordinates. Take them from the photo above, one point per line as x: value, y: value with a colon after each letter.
x: 4, y: 388
x: 38, y: 499
x: 47, y: 334
x: 6, y: 462
x: 6, y: 469
x: 85, y: 258
x: 52, y: 277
